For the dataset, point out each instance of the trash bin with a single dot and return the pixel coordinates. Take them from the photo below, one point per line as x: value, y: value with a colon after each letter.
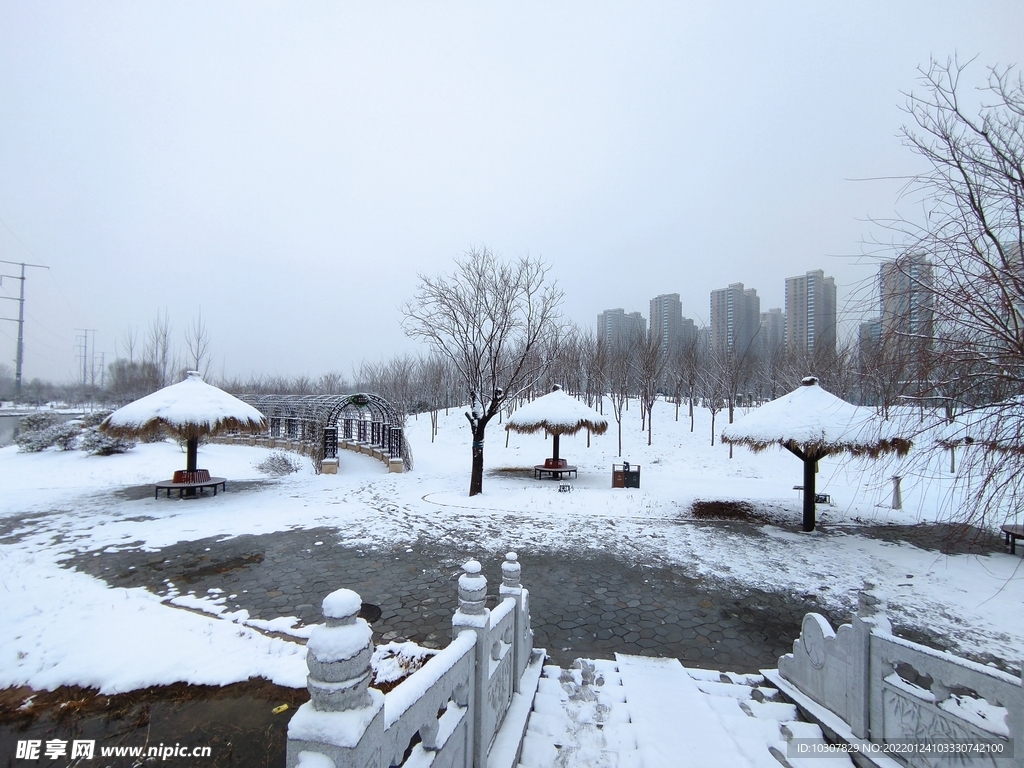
x: 632, y: 476
x: 625, y: 475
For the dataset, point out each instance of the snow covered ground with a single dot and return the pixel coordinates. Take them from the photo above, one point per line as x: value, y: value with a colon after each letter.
x: 66, y: 627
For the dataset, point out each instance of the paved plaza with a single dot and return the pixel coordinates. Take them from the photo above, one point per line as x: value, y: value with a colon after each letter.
x: 584, y: 604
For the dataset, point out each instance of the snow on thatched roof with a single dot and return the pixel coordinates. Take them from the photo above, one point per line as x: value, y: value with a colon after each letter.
x: 558, y: 414
x: 190, y: 408
x: 996, y: 427
x: 815, y: 421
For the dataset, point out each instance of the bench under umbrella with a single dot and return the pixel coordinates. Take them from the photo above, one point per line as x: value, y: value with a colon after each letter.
x: 557, y: 414
x: 811, y: 424
x: 190, y: 409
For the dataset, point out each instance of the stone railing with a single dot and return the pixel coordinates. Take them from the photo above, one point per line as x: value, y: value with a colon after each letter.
x: 456, y: 704
x: 887, y: 690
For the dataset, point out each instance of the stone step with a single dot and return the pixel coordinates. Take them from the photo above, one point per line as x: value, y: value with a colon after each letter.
x: 675, y: 727
x: 643, y: 712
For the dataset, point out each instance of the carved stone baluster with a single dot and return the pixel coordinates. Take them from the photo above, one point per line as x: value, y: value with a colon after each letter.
x: 473, y: 614
x: 344, y: 718
x: 522, y: 642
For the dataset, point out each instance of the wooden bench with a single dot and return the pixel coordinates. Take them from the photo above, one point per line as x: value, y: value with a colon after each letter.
x: 819, y: 498
x: 1013, y: 532
x: 185, y: 479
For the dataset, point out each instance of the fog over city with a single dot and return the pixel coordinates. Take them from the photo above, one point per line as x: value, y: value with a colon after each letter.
x: 288, y: 169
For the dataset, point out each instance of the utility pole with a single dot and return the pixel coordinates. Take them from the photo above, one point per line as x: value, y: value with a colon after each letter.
x: 21, y: 318
x: 88, y: 360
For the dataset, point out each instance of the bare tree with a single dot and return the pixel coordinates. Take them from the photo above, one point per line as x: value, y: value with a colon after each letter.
x: 649, y: 363
x: 159, y: 353
x: 197, y: 341
x: 435, y: 375
x: 595, y: 363
x: 331, y: 383
x: 693, y: 362
x: 973, y: 235
x: 619, y: 373
x: 489, y: 318
x: 714, y: 388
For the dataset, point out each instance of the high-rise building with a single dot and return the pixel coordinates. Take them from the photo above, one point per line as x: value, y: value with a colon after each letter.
x: 735, y: 319
x: 666, y: 320
x: 615, y: 327
x: 869, y: 338
x: 811, y: 313
x: 668, y: 323
x: 908, y: 315
x: 773, y: 330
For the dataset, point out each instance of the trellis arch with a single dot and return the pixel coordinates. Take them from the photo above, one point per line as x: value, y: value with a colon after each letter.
x: 321, y: 424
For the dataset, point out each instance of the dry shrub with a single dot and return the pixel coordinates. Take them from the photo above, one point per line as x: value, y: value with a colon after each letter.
x: 278, y: 464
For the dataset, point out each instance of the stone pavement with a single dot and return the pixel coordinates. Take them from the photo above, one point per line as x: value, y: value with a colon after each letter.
x: 584, y: 604
x: 588, y: 604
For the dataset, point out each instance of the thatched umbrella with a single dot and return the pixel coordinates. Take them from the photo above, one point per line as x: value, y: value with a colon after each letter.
x: 557, y: 414
x: 996, y: 428
x: 812, y: 424
x: 189, y: 409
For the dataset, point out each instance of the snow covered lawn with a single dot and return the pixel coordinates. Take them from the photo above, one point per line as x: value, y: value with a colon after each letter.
x: 65, y: 627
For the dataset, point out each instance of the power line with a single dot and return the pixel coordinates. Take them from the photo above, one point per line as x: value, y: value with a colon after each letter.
x: 21, y: 316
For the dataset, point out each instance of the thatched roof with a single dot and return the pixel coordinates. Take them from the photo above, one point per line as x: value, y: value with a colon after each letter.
x: 998, y: 427
x: 815, y: 422
x: 558, y: 414
x: 189, y: 409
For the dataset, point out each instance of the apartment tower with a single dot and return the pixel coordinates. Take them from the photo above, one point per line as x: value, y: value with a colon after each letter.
x: 811, y: 313
x: 735, y: 319
x: 615, y: 327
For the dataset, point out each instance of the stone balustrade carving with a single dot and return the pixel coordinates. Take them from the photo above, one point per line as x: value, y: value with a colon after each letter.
x: 455, y: 704
x: 888, y: 689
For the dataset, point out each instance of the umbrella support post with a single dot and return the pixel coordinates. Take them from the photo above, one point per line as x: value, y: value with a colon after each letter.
x: 809, y: 493
x: 191, y: 460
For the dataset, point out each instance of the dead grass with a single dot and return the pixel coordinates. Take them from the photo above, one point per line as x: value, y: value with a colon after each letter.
x: 725, y: 510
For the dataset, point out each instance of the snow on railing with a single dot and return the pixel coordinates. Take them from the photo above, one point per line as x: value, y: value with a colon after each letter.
x: 891, y: 690
x: 471, y: 683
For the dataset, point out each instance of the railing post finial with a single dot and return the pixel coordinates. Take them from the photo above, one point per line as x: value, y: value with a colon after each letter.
x: 472, y: 589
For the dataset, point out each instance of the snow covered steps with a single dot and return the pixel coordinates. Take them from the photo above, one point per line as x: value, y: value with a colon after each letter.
x: 642, y: 712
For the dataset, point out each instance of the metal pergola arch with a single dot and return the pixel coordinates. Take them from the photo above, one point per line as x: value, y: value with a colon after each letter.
x: 320, y: 421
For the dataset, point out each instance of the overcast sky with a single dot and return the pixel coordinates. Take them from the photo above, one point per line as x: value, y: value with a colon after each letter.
x: 289, y: 168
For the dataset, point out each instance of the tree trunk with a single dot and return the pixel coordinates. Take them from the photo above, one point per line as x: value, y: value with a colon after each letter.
x: 476, y: 478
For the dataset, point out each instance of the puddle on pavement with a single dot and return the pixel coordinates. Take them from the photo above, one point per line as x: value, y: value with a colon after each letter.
x: 236, y: 722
